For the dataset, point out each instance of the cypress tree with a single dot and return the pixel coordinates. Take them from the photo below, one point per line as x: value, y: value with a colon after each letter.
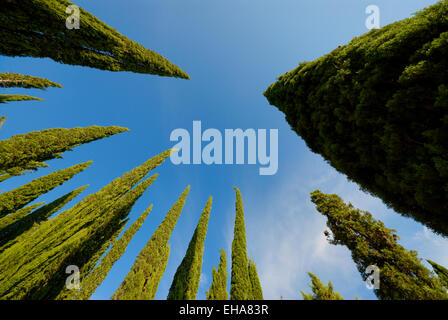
x: 218, y: 288
x: 18, y: 198
x: 376, y: 110
x: 240, y: 288
x: 9, y: 80
x: 34, y: 266
x: 96, y: 277
x: 16, y: 97
x: 25, y: 223
x: 402, y: 276
x: 256, y: 290
x: 143, y: 279
x: 37, y: 28
x: 441, y: 272
x: 29, y: 151
x: 320, y: 291
x: 10, y: 219
x: 187, y: 277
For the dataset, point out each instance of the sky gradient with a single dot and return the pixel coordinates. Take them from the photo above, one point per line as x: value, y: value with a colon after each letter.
x: 232, y: 50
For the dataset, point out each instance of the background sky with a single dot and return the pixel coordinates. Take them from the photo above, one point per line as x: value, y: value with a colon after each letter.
x: 232, y: 50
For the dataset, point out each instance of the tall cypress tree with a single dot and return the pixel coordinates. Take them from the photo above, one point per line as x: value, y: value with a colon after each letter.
x: 29, y: 151
x: 18, y: 198
x: 320, y: 291
x: 186, y: 280
x: 218, y: 288
x: 25, y: 223
x: 441, y: 272
x: 34, y: 267
x: 256, y: 292
x: 96, y: 277
x: 402, y: 275
x: 240, y: 288
x: 10, y: 80
x: 376, y: 110
x: 37, y: 28
x: 143, y: 279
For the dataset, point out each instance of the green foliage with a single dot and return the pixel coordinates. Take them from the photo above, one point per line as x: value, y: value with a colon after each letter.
x: 320, y: 291
x: 96, y: 277
x: 26, y: 222
x: 10, y: 219
x: 34, y: 266
x: 37, y: 28
x: 377, y: 111
x: 18, y: 198
x: 28, y: 151
x: 218, y: 288
x: 10, y: 80
x: 240, y: 288
x: 256, y: 290
x: 16, y: 97
x: 441, y: 272
x: 186, y: 279
x: 402, y: 276
x: 143, y: 279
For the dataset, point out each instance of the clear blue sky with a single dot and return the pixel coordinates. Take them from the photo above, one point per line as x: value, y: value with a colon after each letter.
x: 232, y: 50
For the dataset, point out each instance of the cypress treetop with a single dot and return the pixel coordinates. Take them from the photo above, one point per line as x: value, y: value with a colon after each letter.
x: 186, y: 280
x: 37, y: 28
x: 29, y: 151
x: 143, y: 279
x: 27, y: 221
x: 240, y: 288
x: 10, y: 80
x: 96, y: 277
x: 218, y: 288
x: 402, y: 276
x: 256, y: 290
x: 320, y: 290
x: 376, y: 110
x: 34, y: 266
x: 18, y: 198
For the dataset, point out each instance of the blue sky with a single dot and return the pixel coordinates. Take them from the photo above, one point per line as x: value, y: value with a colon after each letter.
x: 232, y: 51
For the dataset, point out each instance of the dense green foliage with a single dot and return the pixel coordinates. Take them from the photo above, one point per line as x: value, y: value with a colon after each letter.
x: 240, y: 287
x: 256, y: 292
x: 441, y: 272
x: 218, y: 288
x: 402, y: 276
x: 26, y: 221
x: 10, y: 219
x: 34, y: 266
x: 37, y: 28
x: 143, y: 279
x: 377, y: 111
x: 186, y: 279
x: 18, y: 198
x: 9, y: 80
x: 96, y: 277
x: 29, y: 151
x: 320, y: 291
